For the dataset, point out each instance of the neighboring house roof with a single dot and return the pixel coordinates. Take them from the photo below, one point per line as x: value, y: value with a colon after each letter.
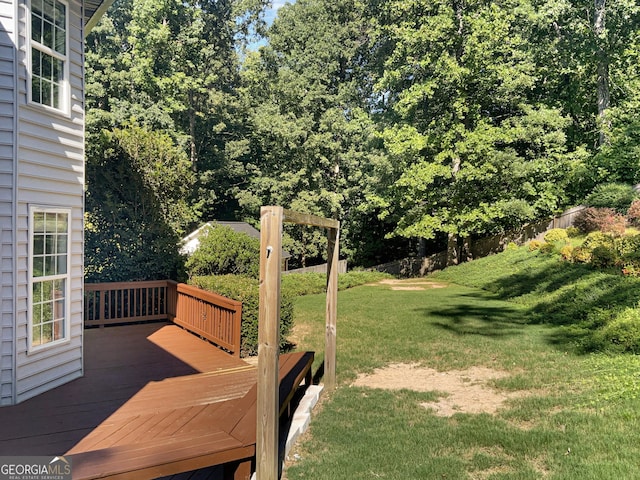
x: 93, y: 10
x: 192, y: 241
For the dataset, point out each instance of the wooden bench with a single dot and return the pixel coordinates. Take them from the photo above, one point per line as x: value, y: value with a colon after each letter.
x: 188, y: 437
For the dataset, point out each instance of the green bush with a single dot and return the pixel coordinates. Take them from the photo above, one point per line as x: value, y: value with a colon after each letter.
x: 547, y: 247
x: 628, y: 246
x: 566, y: 252
x: 621, y: 334
x: 618, y: 196
x: 247, y: 291
x: 223, y: 251
x: 603, y: 257
x: 598, y: 239
x: 299, y: 284
x: 628, y: 251
x: 631, y: 270
x: 581, y: 255
x: 556, y: 235
x: 573, y: 232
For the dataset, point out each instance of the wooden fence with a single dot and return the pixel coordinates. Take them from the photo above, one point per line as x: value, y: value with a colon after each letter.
x: 342, y: 268
x: 211, y: 316
x: 481, y: 247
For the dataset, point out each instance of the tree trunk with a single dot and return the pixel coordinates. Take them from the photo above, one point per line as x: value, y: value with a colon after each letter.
x: 603, y: 69
x: 192, y: 132
x: 453, y: 250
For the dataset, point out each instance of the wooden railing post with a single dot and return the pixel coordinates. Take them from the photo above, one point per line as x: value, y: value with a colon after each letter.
x: 268, y: 343
x: 172, y: 299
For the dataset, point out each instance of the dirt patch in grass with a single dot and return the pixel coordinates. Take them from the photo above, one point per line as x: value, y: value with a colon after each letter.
x: 411, y: 284
x: 408, y: 288
x: 464, y: 391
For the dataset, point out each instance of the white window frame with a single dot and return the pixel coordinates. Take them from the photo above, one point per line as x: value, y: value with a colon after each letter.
x: 64, y: 96
x: 65, y: 320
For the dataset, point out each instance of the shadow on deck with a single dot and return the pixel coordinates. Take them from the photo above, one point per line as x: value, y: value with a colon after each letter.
x: 155, y: 400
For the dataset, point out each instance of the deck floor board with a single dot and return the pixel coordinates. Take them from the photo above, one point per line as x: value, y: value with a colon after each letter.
x: 120, y: 363
x: 155, y: 400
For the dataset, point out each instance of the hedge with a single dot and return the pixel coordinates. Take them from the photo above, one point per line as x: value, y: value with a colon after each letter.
x: 247, y: 291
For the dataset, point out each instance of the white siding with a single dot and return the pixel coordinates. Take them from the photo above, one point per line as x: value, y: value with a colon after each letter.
x: 7, y: 278
x: 50, y: 173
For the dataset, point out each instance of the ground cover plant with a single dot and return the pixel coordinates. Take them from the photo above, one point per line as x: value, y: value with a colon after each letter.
x: 564, y: 413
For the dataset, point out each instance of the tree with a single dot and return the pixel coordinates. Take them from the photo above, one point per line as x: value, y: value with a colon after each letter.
x: 173, y: 67
x: 471, y: 150
x: 313, y: 141
x: 135, y: 207
x: 164, y: 129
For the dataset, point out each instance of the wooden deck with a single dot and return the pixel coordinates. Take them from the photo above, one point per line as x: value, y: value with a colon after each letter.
x: 155, y: 400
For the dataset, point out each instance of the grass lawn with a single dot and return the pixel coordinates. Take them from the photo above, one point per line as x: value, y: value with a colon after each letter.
x: 564, y: 414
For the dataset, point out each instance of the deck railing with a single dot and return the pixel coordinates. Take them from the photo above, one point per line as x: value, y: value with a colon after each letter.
x: 211, y: 316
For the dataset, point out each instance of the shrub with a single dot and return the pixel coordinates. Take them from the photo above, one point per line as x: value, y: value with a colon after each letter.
x: 572, y: 232
x: 622, y: 333
x: 617, y: 196
x: 633, y: 214
x: 247, y: 291
x: 628, y: 246
x: 566, y: 252
x: 628, y: 250
x: 555, y: 235
x: 631, y: 270
x: 581, y: 255
x: 603, y: 257
x: 600, y: 219
x: 547, y: 247
x: 223, y: 251
x: 598, y: 239
x: 535, y: 245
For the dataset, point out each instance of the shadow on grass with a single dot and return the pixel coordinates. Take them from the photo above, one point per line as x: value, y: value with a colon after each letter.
x: 566, y: 295
x: 472, y: 316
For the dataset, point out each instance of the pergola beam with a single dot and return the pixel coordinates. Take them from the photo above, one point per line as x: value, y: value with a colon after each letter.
x: 307, y: 219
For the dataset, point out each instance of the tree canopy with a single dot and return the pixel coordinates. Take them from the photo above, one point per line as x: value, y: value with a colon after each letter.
x: 405, y: 119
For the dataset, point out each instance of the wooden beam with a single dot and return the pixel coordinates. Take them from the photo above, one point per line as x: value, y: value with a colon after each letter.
x: 267, y: 410
x: 332, y: 309
x: 308, y: 219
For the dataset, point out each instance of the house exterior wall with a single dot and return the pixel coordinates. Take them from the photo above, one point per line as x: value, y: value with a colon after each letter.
x: 7, y: 177
x: 50, y: 173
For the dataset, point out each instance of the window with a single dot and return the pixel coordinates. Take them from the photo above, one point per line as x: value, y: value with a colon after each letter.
x: 49, y: 259
x: 48, y: 53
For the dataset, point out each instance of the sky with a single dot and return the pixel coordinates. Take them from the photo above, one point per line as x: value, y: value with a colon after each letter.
x: 271, y: 13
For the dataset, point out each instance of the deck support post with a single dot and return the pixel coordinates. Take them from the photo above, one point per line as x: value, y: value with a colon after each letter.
x: 267, y: 405
x: 332, y: 309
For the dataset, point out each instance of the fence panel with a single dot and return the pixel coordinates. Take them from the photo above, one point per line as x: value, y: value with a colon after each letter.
x: 342, y: 268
